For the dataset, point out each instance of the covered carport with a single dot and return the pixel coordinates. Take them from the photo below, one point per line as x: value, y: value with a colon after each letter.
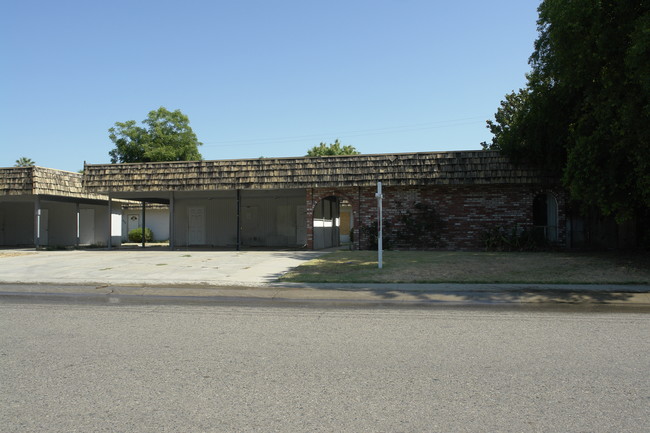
x: 46, y: 207
x: 227, y: 219
x: 212, y: 204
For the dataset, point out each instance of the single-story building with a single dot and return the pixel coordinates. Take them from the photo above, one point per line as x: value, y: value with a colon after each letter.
x: 447, y: 200
x: 46, y: 207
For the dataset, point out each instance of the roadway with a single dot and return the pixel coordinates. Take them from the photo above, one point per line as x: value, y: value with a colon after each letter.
x: 158, y: 367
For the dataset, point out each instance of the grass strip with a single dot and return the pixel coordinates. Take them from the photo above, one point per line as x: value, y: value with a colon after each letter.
x: 474, y: 267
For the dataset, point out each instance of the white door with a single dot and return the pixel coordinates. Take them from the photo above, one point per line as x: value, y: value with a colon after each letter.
x: 196, y: 226
x: 44, y: 227
x: 132, y: 222
x: 86, y: 226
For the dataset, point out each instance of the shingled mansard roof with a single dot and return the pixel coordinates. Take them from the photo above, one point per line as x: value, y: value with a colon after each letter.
x: 439, y: 168
x: 15, y: 181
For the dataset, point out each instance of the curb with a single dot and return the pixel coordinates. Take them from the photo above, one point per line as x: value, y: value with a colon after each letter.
x: 356, y: 294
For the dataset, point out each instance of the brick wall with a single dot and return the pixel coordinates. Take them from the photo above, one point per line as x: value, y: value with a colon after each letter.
x: 464, y: 213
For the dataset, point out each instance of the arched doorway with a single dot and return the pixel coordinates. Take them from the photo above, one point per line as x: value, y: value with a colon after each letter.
x: 327, y: 222
x: 545, y: 216
x: 333, y: 222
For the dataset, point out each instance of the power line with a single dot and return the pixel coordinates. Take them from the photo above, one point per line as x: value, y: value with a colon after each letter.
x: 354, y: 133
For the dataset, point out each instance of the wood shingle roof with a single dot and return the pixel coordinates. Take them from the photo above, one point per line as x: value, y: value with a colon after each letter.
x: 435, y: 168
x: 43, y: 181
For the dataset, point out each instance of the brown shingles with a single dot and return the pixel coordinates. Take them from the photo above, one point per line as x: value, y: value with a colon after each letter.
x: 43, y: 181
x: 444, y: 168
x: 16, y: 181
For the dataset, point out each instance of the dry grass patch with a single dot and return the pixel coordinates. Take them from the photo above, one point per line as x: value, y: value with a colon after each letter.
x: 474, y: 267
x: 13, y: 254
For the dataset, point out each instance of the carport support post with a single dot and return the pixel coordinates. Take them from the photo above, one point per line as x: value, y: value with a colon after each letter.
x: 109, y: 244
x: 144, y: 223
x: 171, y: 220
x: 37, y: 222
x: 238, y: 219
x: 380, y: 234
x: 78, y: 225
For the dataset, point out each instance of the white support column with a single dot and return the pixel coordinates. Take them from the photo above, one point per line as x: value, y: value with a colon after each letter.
x: 78, y: 225
x: 144, y: 220
x: 109, y: 244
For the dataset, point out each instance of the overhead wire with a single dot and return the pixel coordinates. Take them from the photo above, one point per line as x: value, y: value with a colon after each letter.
x: 345, y: 134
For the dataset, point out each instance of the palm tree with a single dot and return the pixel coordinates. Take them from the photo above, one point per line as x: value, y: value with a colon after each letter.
x: 24, y: 162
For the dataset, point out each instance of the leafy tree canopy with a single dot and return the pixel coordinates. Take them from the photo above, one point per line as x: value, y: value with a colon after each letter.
x: 24, y: 162
x: 585, y: 111
x: 332, y: 149
x: 165, y: 136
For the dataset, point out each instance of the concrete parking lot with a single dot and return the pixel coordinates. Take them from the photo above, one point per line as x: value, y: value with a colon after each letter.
x: 143, y: 267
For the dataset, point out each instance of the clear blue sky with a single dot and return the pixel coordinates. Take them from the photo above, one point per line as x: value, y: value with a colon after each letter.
x: 258, y: 77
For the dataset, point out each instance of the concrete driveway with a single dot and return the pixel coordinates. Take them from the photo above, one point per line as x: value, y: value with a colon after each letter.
x: 137, y: 267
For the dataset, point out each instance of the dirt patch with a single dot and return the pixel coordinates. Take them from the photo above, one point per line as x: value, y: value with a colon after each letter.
x: 13, y: 254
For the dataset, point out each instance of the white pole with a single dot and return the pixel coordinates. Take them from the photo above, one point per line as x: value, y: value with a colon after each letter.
x: 37, y: 229
x: 78, y: 224
x: 380, y: 235
x: 109, y: 242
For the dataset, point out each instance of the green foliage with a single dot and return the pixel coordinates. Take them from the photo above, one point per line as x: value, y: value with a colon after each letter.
x: 513, y: 239
x: 370, y: 233
x: 332, y: 149
x: 24, y: 162
x: 419, y: 227
x: 135, y: 235
x: 585, y: 112
x: 165, y: 136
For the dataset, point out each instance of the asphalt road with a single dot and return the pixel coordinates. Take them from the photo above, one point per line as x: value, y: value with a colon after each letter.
x: 158, y: 368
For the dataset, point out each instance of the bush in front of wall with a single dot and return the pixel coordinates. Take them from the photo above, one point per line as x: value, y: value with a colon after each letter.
x: 370, y: 233
x: 513, y: 239
x: 135, y: 235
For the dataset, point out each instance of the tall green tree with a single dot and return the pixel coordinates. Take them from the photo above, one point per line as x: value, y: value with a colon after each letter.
x: 165, y: 136
x: 585, y: 112
x: 24, y: 162
x: 332, y: 149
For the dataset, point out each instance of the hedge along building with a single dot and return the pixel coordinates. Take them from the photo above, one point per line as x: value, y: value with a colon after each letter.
x: 444, y: 200
x: 42, y: 206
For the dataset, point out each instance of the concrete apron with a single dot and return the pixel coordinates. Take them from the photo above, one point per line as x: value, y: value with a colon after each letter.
x: 137, y: 267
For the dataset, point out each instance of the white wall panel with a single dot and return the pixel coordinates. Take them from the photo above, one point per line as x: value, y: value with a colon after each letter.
x: 268, y: 218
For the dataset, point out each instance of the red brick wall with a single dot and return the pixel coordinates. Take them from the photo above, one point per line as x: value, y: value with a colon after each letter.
x: 465, y: 212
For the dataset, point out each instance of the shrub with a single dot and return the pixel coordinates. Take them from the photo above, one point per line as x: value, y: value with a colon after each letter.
x: 420, y: 226
x: 135, y: 235
x: 370, y: 234
x: 513, y: 239
x: 417, y: 226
